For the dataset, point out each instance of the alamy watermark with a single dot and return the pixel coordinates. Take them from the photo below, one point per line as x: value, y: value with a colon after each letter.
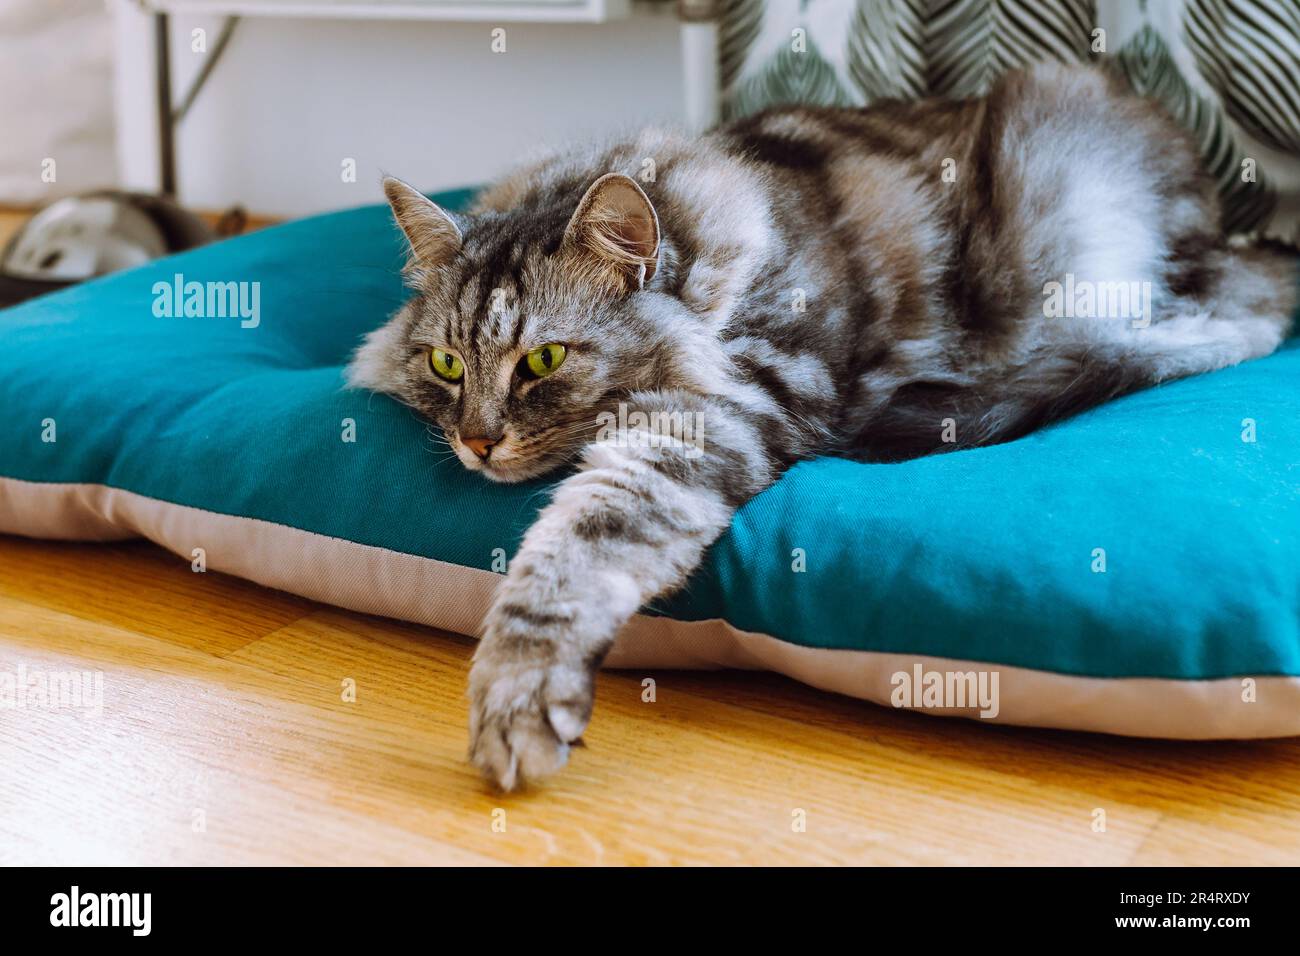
x: 1085, y: 299
x: 920, y: 688
x: 683, y: 431
x: 133, y: 911
x: 33, y: 689
x: 208, y: 300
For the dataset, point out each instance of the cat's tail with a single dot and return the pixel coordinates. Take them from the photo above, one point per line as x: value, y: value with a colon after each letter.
x: 1260, y: 276
x: 1244, y: 313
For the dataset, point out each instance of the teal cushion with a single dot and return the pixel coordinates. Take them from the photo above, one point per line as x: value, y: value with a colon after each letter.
x: 1149, y: 538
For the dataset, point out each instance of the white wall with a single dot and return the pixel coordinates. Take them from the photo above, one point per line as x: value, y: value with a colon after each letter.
x: 55, y: 99
x: 429, y: 102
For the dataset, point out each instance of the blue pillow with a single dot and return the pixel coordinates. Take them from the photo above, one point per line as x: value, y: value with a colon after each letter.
x: 1134, y: 570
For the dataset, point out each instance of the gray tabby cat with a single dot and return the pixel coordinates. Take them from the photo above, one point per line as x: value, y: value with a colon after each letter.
x: 803, y: 282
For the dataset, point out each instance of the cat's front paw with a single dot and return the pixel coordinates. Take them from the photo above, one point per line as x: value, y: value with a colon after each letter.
x: 528, y: 703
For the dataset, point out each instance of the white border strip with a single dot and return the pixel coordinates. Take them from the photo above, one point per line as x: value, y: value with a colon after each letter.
x: 394, y: 584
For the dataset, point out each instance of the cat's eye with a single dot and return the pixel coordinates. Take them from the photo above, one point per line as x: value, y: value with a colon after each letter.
x: 542, y: 361
x: 446, y: 366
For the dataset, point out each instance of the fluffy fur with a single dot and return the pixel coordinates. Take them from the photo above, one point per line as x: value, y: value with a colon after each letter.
x: 807, y: 281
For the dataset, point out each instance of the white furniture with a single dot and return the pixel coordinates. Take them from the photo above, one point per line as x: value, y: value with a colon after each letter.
x: 698, y: 39
x: 530, y: 11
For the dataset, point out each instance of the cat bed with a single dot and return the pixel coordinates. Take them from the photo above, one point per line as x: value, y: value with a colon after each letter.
x: 1134, y: 570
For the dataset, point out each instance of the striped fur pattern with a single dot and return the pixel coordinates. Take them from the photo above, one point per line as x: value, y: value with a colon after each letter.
x: 802, y: 282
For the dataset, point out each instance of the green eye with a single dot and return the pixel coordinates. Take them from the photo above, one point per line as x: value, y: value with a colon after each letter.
x: 446, y: 366
x: 542, y: 361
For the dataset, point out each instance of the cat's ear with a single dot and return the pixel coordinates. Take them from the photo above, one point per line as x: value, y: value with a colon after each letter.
x: 616, y: 223
x: 433, y: 234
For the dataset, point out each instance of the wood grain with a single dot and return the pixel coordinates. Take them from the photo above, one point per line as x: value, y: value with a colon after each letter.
x: 226, y: 737
x: 142, y: 588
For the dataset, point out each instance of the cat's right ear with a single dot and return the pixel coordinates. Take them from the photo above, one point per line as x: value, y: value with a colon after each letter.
x: 433, y: 234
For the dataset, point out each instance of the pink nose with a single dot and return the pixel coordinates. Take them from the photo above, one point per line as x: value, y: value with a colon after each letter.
x: 479, y: 446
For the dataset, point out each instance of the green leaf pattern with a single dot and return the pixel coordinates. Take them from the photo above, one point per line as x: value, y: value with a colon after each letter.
x: 852, y: 52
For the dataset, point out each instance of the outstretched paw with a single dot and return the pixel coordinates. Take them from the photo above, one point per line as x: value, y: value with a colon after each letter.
x: 526, y: 709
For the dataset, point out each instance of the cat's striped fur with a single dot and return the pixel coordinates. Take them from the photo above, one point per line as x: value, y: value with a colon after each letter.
x: 806, y: 281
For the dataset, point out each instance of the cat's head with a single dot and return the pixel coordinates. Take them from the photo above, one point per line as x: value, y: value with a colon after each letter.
x: 525, y: 324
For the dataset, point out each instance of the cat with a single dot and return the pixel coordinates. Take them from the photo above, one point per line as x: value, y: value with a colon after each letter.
x: 880, y: 283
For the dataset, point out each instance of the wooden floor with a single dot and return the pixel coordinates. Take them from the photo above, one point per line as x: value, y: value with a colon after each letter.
x: 224, y: 738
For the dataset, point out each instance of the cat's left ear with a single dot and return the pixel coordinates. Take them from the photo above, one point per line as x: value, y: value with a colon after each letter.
x: 616, y: 223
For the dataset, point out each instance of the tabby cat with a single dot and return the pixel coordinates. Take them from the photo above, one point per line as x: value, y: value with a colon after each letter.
x: 880, y: 283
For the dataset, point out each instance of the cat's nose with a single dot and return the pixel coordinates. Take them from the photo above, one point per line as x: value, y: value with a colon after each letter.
x: 481, y: 446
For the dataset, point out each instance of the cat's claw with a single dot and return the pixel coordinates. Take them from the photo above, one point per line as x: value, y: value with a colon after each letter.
x: 524, y: 715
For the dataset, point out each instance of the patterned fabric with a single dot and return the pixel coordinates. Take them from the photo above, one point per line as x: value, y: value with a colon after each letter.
x: 1228, y: 70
